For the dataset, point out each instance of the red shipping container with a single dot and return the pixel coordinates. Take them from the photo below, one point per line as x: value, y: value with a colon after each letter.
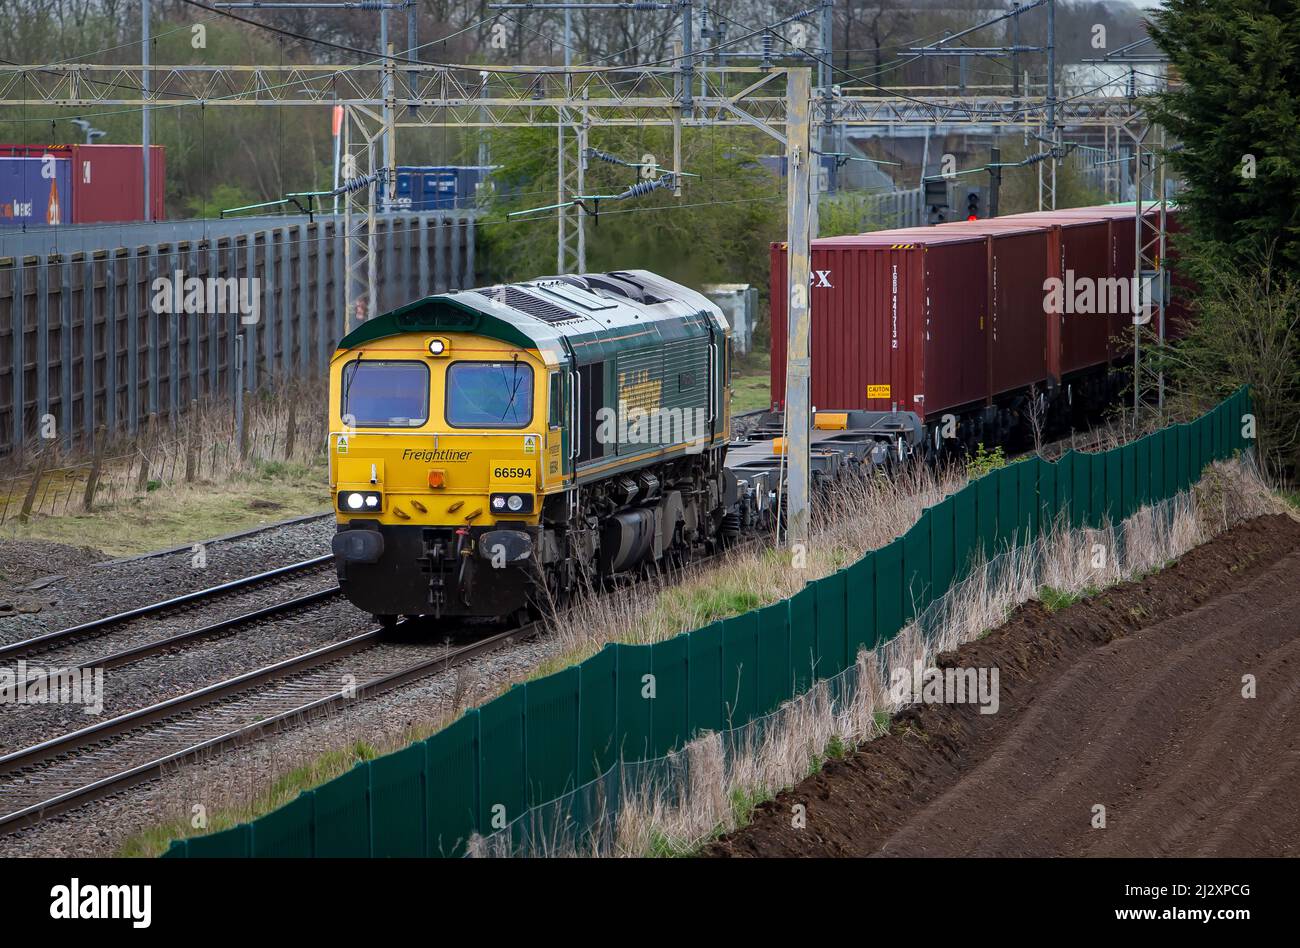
x: 1124, y: 237
x: 107, y: 180
x: 898, y: 320
x: 1079, y: 247
x: 1017, y: 268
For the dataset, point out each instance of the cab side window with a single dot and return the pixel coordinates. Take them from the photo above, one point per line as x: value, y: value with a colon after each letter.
x: 557, y: 406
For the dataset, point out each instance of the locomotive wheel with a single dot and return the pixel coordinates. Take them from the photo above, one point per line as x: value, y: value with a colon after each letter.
x: 387, y: 622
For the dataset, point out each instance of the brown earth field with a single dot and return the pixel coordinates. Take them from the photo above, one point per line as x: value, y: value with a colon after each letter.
x: 1131, y: 699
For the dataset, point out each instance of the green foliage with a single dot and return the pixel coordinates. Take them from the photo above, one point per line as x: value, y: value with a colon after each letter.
x: 1238, y: 62
x: 718, y: 231
x: 1054, y: 600
x: 1234, y: 114
x: 154, y: 840
x: 751, y: 386
x: 836, y: 749
x: 744, y: 801
x: 1246, y: 330
x: 1019, y: 191
x: 221, y: 197
x: 285, y: 470
x: 985, y: 461
x: 850, y: 212
x: 713, y: 602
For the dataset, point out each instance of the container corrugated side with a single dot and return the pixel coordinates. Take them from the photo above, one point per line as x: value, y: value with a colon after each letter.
x: 1017, y: 266
x: 1079, y: 250
x: 894, y: 322
x: 108, y: 183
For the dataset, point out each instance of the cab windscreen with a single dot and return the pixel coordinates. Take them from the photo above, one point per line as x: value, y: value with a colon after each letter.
x: 385, y: 394
x: 489, y: 394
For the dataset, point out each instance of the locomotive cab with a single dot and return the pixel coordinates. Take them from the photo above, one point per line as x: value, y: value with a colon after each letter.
x: 439, y: 455
x: 482, y: 458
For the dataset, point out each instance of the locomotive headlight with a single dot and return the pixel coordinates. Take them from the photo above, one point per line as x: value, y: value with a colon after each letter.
x: 512, y: 503
x: 437, y: 347
x: 358, y: 501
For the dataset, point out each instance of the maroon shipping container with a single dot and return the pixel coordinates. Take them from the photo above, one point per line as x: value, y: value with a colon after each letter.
x: 107, y: 180
x: 1017, y: 267
x: 1123, y: 243
x: 937, y: 319
x: 1079, y: 247
x: 898, y: 320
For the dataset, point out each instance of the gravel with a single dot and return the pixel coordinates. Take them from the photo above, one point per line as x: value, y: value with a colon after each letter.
x: 185, y: 669
x: 237, y: 775
x: 90, y: 587
x: 93, y: 586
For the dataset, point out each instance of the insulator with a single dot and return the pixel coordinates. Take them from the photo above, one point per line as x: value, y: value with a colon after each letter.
x: 644, y: 187
x: 606, y: 156
x: 356, y: 184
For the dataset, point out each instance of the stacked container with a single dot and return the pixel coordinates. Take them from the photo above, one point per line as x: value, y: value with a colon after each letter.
x: 95, y: 183
x: 947, y: 318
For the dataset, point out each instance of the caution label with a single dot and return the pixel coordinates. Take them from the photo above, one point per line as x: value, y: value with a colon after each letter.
x: 877, y: 391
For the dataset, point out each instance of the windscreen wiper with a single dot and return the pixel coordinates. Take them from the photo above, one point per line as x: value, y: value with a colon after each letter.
x: 513, y: 392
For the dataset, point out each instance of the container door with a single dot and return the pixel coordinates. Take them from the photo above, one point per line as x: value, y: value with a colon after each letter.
x: 403, y: 198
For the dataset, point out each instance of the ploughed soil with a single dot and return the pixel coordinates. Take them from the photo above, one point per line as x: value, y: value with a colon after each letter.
x: 1131, y: 700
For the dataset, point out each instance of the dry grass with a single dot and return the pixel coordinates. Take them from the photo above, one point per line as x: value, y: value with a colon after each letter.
x: 177, y: 484
x: 863, y: 516
x: 675, y: 805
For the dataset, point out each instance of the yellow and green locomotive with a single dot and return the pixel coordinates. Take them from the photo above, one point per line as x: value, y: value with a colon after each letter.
x: 493, y: 449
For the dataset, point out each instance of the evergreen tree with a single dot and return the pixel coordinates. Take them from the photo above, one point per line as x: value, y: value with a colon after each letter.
x: 1236, y: 115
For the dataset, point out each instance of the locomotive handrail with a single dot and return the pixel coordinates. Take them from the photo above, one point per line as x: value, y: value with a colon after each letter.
x: 576, y: 398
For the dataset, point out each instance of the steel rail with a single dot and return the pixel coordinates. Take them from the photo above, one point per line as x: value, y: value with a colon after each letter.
x: 166, y: 643
x: 51, y: 640
x: 113, y: 783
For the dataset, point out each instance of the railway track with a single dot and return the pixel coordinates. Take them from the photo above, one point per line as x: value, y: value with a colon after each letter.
x: 71, y: 770
x: 48, y: 645
x: 68, y: 771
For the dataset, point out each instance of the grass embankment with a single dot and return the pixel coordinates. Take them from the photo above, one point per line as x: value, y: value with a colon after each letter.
x: 751, y: 383
x: 172, y: 515
x: 154, y: 840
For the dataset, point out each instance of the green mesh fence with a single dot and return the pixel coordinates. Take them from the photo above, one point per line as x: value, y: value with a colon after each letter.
x: 515, y: 766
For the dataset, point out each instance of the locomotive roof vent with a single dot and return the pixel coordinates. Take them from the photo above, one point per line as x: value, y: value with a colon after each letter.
x: 534, y: 306
x: 640, y: 293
